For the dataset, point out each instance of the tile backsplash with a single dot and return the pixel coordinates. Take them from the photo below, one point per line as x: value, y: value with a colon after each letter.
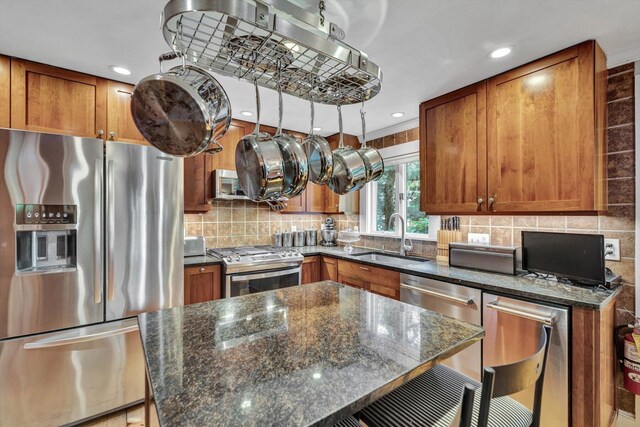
x: 241, y: 223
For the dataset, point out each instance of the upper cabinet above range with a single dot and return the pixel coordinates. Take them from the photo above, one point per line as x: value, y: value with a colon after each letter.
x: 533, y: 141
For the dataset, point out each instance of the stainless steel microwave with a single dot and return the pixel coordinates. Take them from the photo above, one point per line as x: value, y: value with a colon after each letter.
x: 226, y: 186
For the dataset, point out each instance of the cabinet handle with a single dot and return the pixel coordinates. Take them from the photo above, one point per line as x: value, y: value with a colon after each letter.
x: 112, y: 135
x: 100, y: 132
x: 459, y: 300
x: 202, y: 269
x: 547, y: 320
x: 480, y: 200
x: 491, y: 200
x: 364, y: 268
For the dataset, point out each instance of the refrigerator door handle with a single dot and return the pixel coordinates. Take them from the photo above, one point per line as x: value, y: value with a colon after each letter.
x: 97, y: 233
x: 547, y: 320
x: 110, y: 227
x: 452, y: 298
x: 68, y: 339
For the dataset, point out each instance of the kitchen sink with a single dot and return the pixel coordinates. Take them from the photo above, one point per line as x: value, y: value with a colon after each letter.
x: 388, y: 259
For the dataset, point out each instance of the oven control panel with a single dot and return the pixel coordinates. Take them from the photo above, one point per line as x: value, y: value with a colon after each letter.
x: 45, y: 214
x: 263, y: 258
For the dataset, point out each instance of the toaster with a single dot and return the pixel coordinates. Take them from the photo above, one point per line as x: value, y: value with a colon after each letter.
x: 194, y: 246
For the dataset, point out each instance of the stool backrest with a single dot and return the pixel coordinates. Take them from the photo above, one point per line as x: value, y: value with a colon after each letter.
x: 503, y: 380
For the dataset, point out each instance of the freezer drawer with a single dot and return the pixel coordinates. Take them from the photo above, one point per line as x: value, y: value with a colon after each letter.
x: 459, y: 302
x: 62, y: 377
x: 512, y: 329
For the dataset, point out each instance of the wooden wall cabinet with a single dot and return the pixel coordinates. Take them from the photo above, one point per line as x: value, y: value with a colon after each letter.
x: 453, y: 150
x: 198, y: 170
x: 5, y: 91
x: 526, y: 141
x: 202, y: 284
x: 545, y: 151
x: 311, y: 269
x: 120, y: 124
x: 51, y: 99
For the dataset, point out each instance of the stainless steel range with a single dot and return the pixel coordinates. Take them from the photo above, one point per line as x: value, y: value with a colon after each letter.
x: 249, y: 270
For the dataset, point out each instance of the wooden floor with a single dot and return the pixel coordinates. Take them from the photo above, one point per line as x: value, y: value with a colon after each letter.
x: 132, y: 417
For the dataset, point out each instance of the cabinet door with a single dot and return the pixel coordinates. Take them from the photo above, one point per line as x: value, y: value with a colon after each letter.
x: 296, y: 204
x: 453, y: 150
x: 311, y: 270
x: 314, y: 195
x: 541, y: 134
x: 120, y: 125
x: 329, y: 269
x: 50, y: 99
x: 226, y: 159
x: 195, y: 186
x: 5, y: 90
x: 201, y: 284
x: 354, y: 282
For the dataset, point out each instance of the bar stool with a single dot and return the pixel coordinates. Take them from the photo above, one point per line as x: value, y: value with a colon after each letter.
x: 433, y: 398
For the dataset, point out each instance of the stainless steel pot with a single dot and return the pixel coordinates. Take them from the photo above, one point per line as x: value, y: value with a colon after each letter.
x: 259, y: 163
x: 181, y: 112
x: 296, y: 167
x: 372, y: 158
x: 349, y: 170
x: 319, y: 155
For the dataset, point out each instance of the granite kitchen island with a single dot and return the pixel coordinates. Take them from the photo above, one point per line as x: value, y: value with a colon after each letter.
x: 307, y: 355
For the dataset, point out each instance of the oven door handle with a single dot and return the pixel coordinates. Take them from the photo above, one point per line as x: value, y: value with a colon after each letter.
x: 277, y: 273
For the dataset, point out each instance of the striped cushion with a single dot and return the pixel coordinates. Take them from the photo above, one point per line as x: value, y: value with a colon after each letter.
x: 350, y: 421
x: 433, y: 398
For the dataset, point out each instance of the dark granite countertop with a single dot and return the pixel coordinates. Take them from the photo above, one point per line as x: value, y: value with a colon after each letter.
x: 307, y: 355
x: 197, y: 261
x: 537, y: 289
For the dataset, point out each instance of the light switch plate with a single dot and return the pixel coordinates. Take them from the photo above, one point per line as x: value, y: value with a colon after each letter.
x: 612, y: 249
x: 479, y: 238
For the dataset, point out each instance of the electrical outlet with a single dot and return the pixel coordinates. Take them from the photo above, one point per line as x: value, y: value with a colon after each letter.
x: 612, y: 249
x: 480, y: 238
x: 294, y: 228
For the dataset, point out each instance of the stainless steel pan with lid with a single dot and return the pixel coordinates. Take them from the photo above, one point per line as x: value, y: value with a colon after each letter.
x: 296, y: 168
x: 319, y: 155
x: 372, y: 158
x: 183, y: 111
x: 259, y: 163
x: 349, y: 170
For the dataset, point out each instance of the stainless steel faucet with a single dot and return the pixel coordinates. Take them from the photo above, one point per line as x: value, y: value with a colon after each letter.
x: 403, y: 246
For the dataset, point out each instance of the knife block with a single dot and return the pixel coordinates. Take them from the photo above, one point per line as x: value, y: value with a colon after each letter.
x: 444, y: 238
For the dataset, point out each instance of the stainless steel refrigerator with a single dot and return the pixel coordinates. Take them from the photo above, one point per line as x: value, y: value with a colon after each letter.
x: 90, y: 236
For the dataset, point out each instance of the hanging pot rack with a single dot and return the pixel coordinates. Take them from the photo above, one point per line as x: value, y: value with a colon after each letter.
x: 273, y: 41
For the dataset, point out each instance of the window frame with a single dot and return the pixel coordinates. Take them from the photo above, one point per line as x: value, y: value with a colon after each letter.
x: 396, y: 155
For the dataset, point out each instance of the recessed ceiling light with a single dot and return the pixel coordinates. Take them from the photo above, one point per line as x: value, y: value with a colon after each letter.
x: 120, y: 70
x: 292, y: 46
x: 500, y: 52
x: 246, y: 113
x: 397, y: 115
x: 317, y: 129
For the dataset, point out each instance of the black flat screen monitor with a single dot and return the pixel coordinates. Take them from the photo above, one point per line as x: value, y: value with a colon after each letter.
x: 577, y: 257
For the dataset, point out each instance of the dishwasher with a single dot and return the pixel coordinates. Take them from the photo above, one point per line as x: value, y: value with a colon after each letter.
x: 459, y: 302
x: 512, y: 330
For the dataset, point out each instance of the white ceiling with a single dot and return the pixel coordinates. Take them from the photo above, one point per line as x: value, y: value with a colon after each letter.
x: 425, y: 47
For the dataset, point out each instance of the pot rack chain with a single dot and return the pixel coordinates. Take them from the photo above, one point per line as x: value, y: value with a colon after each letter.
x: 230, y: 46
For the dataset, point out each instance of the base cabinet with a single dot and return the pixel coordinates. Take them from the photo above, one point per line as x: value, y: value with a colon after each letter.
x: 201, y: 284
x: 329, y: 269
x: 310, y: 269
x: 373, y: 279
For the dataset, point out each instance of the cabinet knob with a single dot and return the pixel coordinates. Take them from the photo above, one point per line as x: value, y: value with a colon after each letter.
x: 100, y: 132
x: 202, y: 269
x: 112, y: 135
x: 491, y: 200
x: 480, y: 200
